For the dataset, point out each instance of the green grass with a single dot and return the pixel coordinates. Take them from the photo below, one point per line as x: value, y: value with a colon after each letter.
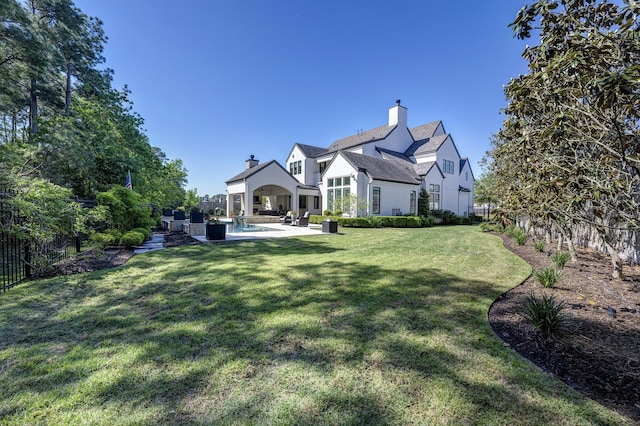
x: 372, y: 326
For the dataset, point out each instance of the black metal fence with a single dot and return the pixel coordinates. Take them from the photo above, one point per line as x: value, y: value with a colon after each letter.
x: 22, y: 257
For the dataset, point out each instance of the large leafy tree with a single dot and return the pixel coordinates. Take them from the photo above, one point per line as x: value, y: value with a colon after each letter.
x: 61, y: 121
x: 568, y: 150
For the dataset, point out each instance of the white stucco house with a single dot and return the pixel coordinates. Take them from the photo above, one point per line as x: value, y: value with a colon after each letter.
x: 386, y: 167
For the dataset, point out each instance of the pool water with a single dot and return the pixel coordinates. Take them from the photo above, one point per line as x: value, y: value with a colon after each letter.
x: 239, y: 227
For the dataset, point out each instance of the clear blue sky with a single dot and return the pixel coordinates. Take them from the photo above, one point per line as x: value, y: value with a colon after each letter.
x: 217, y: 81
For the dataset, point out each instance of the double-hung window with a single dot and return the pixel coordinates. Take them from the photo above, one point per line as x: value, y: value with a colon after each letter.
x: 375, y: 201
x: 412, y: 202
x: 434, y: 196
x: 447, y: 166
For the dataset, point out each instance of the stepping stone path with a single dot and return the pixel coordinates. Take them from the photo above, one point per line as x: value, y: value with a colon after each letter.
x: 156, y: 242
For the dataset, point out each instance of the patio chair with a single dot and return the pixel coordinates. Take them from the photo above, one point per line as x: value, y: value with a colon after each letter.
x: 286, y: 220
x: 304, y: 220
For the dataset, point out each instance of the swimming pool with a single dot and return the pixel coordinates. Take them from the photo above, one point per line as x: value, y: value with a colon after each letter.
x: 245, y: 227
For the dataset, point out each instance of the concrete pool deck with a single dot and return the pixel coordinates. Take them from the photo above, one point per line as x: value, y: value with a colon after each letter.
x: 278, y: 231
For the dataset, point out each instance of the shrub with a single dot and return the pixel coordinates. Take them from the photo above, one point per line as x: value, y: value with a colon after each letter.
x: 548, y: 277
x: 132, y: 238
x: 475, y: 218
x: 375, y: 221
x: 427, y: 221
x: 317, y: 219
x: 464, y: 220
x: 520, y: 237
x: 116, y: 233
x: 355, y: 222
x: 539, y: 246
x: 510, y: 231
x: 103, y: 239
x: 447, y: 216
x: 327, y: 213
x: 127, y: 209
x: 491, y: 227
x: 337, y: 213
x: 544, y: 314
x: 144, y: 231
x: 560, y: 259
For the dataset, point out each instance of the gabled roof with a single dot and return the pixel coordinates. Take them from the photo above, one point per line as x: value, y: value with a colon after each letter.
x: 364, y: 137
x: 424, y: 168
x: 426, y: 146
x: 425, y: 131
x: 380, y: 169
x: 255, y: 169
x: 463, y: 162
x: 311, y: 151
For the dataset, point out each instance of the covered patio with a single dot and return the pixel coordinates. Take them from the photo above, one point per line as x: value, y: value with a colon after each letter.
x: 269, y: 190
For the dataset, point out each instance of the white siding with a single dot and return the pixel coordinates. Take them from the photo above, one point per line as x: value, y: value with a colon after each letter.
x: 449, y: 199
x: 467, y: 181
x: 337, y: 169
x: 295, y: 156
x: 399, y: 140
x: 393, y: 196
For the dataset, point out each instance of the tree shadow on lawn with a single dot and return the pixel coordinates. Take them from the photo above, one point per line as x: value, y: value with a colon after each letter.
x: 182, y: 332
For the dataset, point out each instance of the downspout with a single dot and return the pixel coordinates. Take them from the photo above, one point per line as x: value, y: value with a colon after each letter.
x: 369, y: 205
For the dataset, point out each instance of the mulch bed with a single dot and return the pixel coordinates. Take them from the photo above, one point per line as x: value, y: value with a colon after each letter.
x: 93, y: 260
x: 598, y: 353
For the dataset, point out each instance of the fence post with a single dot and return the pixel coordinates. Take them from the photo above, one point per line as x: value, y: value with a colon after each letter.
x: 27, y: 260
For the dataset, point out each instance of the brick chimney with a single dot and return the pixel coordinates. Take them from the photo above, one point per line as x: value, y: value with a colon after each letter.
x: 398, y: 115
x: 251, y: 162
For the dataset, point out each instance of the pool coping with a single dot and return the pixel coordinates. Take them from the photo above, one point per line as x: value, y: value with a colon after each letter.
x: 279, y: 231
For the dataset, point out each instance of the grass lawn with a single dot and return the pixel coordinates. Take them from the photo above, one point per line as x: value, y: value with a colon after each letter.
x: 384, y: 326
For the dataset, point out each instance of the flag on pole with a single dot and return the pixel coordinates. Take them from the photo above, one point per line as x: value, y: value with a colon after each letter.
x: 128, y: 183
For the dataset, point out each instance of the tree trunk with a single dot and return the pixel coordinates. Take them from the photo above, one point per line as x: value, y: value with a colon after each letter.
x: 559, y: 248
x: 547, y: 236
x: 616, y: 262
x: 567, y: 233
x: 33, y: 109
x: 572, y: 250
x: 67, y: 93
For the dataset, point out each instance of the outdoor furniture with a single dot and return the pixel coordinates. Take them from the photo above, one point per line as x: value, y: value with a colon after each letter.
x: 287, y: 219
x: 303, y: 221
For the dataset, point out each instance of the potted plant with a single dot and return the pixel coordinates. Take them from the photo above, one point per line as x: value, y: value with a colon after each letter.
x: 196, y: 216
x: 216, y: 230
x: 178, y: 215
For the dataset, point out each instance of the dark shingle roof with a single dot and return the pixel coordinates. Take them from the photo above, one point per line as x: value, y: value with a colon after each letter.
x: 311, y: 151
x: 423, y: 168
x: 380, y: 169
x: 425, y: 131
x: 428, y: 146
x: 366, y: 136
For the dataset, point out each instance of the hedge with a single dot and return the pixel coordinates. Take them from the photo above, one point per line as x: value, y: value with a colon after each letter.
x: 375, y: 221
